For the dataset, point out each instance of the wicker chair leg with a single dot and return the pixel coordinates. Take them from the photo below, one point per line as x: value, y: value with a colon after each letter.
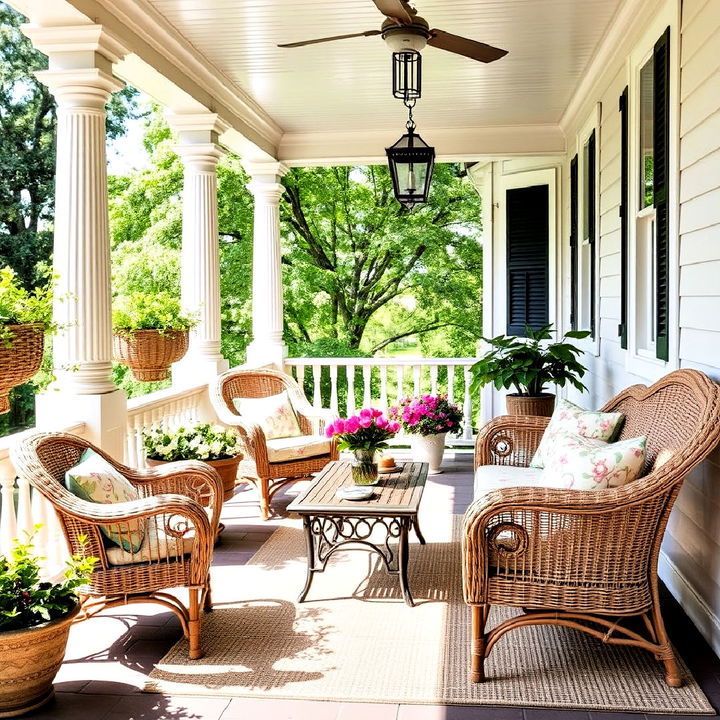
x: 207, y: 598
x: 479, y: 642
x: 673, y: 676
x: 194, y: 625
x: 265, y: 498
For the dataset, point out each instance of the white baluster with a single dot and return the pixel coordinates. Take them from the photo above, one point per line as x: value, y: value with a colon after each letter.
x: 8, y: 521
x: 41, y: 513
x: 333, y: 389
x: 367, y: 400
x: 451, y: 383
x: 24, y: 508
x: 317, y: 377
x: 350, y: 372
x: 300, y: 372
x: 56, y: 549
x: 416, y: 379
x: 400, y: 383
x: 433, y: 379
x: 383, y: 388
x: 467, y: 406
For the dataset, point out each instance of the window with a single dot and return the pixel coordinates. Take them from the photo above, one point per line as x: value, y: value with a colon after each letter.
x: 651, y: 218
x: 586, y: 233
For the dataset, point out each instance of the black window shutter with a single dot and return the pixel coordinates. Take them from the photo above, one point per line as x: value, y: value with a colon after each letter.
x: 661, y: 149
x: 624, y: 187
x: 592, y: 220
x: 573, y: 242
x: 527, y: 258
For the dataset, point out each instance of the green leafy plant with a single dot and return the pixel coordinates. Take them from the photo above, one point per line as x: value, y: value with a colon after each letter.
x: 196, y: 442
x: 19, y: 306
x: 150, y: 311
x: 26, y: 601
x: 529, y: 364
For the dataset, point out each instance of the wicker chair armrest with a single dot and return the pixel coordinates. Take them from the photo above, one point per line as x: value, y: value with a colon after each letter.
x: 509, y: 440
x: 253, y: 438
x: 192, y: 477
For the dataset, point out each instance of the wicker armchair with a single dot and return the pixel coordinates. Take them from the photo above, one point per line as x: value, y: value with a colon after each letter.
x: 268, y: 477
x: 171, y: 502
x: 586, y: 559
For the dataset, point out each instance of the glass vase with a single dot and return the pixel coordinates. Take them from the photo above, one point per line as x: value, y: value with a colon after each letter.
x: 363, y: 467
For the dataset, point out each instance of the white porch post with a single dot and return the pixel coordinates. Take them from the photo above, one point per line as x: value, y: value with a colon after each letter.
x: 267, y: 347
x: 200, y: 271
x: 80, y: 77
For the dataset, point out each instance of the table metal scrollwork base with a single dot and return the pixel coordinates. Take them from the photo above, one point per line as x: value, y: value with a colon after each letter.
x: 324, y: 534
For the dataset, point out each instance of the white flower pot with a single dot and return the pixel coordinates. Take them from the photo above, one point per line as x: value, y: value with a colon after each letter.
x: 429, y: 449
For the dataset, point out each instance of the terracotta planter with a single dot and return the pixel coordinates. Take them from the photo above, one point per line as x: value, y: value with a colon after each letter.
x: 429, y: 449
x: 538, y: 405
x: 150, y: 353
x: 226, y: 469
x: 21, y: 360
x: 30, y: 659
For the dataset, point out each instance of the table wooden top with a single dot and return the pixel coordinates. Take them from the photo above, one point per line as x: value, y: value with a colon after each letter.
x: 397, y: 493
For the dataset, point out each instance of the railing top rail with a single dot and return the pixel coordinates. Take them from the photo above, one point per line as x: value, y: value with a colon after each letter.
x: 159, y: 398
x: 377, y: 362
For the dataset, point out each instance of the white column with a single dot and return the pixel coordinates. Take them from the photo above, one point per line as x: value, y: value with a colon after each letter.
x: 267, y: 347
x: 200, y: 268
x: 80, y: 77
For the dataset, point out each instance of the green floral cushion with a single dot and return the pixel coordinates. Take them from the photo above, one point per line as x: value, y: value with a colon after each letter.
x: 274, y: 414
x: 569, y: 418
x: 94, y: 479
x: 579, y: 463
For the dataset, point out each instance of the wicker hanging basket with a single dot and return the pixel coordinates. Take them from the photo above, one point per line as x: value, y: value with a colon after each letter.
x: 537, y: 405
x: 149, y: 353
x: 21, y: 359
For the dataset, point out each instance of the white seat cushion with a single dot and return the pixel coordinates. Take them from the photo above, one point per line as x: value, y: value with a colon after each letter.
x: 494, y: 477
x: 274, y: 414
x: 157, y: 544
x: 297, y: 448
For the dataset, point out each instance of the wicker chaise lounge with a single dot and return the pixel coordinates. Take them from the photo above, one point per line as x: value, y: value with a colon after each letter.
x: 268, y: 476
x: 586, y: 559
x: 171, y: 501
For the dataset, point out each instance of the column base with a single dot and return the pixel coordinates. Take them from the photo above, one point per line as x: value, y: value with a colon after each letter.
x: 265, y: 354
x: 105, y: 416
x: 193, y: 370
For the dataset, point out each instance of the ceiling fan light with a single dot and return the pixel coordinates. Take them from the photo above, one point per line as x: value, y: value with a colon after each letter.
x: 401, y: 38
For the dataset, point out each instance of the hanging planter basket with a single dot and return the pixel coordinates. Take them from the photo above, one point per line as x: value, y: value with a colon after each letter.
x: 20, y: 360
x: 150, y: 353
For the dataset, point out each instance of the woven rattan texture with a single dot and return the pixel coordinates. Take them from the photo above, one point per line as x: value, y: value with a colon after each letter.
x: 587, y: 553
x: 357, y: 640
x: 150, y: 353
x: 20, y: 360
x: 268, y: 477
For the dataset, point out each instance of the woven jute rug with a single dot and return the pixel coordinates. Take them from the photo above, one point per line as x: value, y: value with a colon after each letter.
x: 354, y: 639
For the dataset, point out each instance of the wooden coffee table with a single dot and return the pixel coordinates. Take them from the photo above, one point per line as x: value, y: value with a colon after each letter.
x: 331, y: 523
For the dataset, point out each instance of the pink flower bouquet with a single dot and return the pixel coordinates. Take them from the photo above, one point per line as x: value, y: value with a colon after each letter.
x: 368, y: 430
x: 427, y: 415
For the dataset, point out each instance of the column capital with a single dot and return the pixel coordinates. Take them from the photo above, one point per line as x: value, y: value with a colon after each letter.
x: 200, y: 126
x: 201, y: 157
x: 268, y: 172
x: 76, y: 46
x: 81, y: 88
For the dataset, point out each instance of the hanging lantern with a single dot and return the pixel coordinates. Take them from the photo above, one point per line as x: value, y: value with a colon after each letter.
x: 411, y: 162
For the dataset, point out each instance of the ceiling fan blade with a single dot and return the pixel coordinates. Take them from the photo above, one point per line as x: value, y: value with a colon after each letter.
x: 462, y: 46
x: 367, y: 33
x: 394, y: 9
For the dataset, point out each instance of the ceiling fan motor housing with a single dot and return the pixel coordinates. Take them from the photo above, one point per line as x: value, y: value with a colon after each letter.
x: 406, y: 37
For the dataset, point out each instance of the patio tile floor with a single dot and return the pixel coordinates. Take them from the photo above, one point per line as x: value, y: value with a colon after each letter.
x: 110, y: 656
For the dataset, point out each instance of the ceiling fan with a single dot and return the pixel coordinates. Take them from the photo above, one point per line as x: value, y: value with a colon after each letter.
x: 404, y: 29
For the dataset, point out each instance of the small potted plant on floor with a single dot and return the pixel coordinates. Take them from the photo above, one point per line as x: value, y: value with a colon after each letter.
x: 427, y: 420
x: 216, y: 445
x: 363, y: 434
x: 25, y: 316
x: 35, y: 620
x: 528, y: 365
x: 150, y: 333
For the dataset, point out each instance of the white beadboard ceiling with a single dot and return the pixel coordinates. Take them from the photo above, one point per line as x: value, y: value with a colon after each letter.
x: 346, y: 85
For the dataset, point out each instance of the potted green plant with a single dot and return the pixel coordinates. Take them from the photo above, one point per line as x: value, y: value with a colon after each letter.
x: 218, y: 446
x: 427, y: 420
x: 25, y: 316
x: 35, y: 618
x: 150, y: 333
x: 528, y: 365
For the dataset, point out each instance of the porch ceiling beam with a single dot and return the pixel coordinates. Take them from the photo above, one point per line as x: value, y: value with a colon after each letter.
x: 451, y: 145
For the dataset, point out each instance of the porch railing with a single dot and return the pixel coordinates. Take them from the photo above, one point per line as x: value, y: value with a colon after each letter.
x: 22, y: 509
x: 344, y: 384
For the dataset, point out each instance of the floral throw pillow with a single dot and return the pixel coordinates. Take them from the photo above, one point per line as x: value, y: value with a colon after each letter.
x: 274, y: 414
x: 579, y: 463
x: 569, y: 418
x: 94, y: 479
